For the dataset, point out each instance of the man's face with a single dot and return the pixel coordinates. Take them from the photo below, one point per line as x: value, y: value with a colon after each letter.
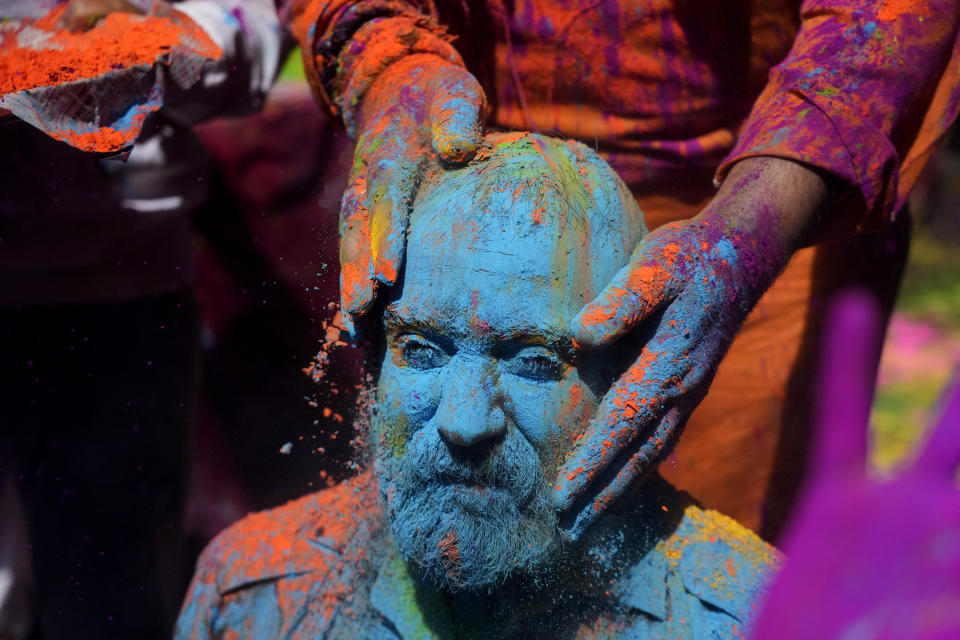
x: 478, y: 399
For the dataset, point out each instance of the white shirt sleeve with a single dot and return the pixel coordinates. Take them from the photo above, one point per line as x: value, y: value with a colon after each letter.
x: 253, y: 42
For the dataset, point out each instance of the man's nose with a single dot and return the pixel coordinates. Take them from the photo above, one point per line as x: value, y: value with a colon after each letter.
x: 468, y: 413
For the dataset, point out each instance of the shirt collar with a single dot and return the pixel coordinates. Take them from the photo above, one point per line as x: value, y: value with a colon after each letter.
x: 643, y: 586
x: 407, y: 603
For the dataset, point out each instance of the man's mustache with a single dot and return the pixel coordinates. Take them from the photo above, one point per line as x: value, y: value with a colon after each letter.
x: 511, y: 465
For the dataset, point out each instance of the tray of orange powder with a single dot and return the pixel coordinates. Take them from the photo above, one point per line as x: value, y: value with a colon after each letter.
x: 94, y: 89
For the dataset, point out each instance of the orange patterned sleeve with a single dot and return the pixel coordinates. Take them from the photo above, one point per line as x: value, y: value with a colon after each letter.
x: 868, y: 90
x: 346, y: 43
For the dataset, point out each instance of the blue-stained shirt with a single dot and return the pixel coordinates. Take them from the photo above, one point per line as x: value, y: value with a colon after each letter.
x: 324, y: 566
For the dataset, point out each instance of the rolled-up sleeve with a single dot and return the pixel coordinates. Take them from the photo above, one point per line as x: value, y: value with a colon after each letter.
x: 868, y: 90
x: 323, y: 29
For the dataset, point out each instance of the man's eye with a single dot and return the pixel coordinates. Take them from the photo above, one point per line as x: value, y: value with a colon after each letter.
x: 421, y: 355
x: 536, y: 365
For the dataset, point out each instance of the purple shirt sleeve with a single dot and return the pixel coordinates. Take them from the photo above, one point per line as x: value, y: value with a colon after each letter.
x: 868, y: 90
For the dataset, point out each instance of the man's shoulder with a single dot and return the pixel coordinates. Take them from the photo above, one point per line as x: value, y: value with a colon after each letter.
x: 311, y: 534
x: 720, y: 561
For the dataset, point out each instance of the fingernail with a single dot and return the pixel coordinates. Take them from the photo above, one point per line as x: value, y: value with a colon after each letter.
x: 564, y: 492
x: 356, y: 287
x: 458, y: 150
x: 347, y: 324
x: 559, y: 499
x: 582, y: 334
x: 386, y: 271
x: 574, y: 527
x: 594, y: 323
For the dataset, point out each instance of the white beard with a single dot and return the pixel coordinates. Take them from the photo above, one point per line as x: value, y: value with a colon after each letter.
x: 468, y: 526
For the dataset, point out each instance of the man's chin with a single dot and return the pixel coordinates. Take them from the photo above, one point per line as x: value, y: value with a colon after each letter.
x: 457, y: 565
x: 479, y: 500
x: 467, y: 537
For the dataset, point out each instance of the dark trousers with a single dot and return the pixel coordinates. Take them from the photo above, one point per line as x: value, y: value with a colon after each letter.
x: 96, y: 401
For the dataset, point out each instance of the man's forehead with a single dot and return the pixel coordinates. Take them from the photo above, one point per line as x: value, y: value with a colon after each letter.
x: 495, y: 273
x: 484, y: 311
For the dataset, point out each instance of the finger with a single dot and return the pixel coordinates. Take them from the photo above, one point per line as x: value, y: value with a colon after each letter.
x: 636, y: 291
x: 631, y: 407
x: 83, y: 15
x: 941, y: 453
x: 356, y: 264
x: 621, y: 476
x: 848, y: 370
x: 79, y: 18
x: 393, y: 162
x: 457, y: 113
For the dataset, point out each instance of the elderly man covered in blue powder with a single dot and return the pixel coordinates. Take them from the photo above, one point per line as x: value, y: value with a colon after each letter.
x: 481, y: 393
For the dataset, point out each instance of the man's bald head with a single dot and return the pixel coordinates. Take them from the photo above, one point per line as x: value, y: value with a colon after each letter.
x: 557, y: 195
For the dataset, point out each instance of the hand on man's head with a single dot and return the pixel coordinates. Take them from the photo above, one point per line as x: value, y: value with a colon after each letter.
x: 694, y: 281
x: 420, y: 108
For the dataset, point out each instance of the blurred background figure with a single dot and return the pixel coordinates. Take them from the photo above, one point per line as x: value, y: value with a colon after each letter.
x: 98, y: 324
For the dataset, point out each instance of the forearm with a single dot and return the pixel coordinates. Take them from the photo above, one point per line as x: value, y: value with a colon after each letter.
x: 767, y: 208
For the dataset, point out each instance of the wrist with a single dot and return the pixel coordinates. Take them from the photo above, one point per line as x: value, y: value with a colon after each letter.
x: 362, y: 42
x: 767, y: 208
x: 777, y: 196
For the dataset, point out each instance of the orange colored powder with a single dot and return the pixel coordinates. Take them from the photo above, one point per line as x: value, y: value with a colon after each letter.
x: 122, y: 41
x: 890, y: 10
x: 106, y: 139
